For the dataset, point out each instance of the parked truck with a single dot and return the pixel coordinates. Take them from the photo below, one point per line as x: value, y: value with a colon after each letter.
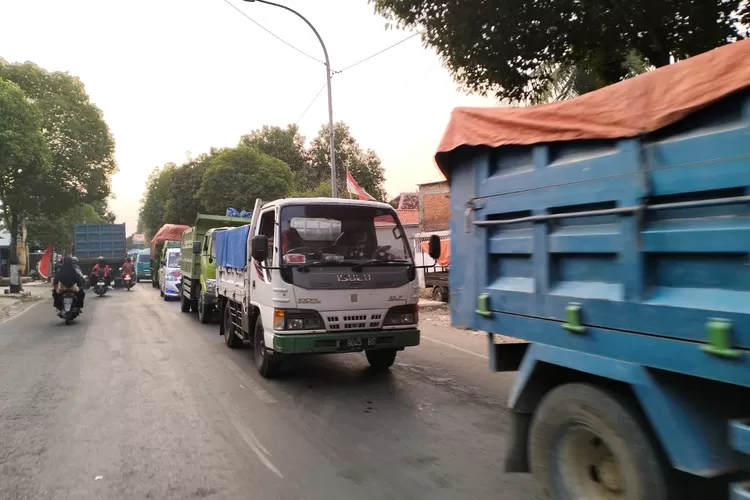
x: 610, y: 234
x: 312, y: 276
x: 91, y: 241
x: 198, y: 266
x: 169, y: 235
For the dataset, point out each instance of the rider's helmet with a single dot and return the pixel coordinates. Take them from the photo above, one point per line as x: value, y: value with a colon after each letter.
x: 128, y: 259
x: 100, y: 260
x: 75, y: 259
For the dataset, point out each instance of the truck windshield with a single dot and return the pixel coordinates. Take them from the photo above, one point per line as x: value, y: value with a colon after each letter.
x: 174, y: 259
x: 336, y: 234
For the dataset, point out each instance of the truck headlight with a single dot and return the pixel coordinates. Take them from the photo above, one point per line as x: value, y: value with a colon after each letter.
x: 297, y: 319
x: 210, y: 286
x: 402, y: 315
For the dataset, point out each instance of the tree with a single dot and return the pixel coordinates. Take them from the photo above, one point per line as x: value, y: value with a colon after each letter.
x: 151, y: 215
x: 79, y: 141
x: 287, y: 145
x: 45, y: 229
x: 496, y: 47
x: 237, y: 177
x: 24, y: 161
x: 182, y: 203
x: 365, y: 166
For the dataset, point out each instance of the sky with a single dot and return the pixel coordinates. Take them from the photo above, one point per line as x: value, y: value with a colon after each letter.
x: 177, y: 77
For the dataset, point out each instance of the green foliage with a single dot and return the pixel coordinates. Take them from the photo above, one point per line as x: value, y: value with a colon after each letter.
x: 287, y: 145
x: 44, y: 229
x: 322, y: 190
x: 24, y: 156
x: 497, y: 47
x: 79, y: 141
x: 365, y: 166
x: 270, y: 163
x: 151, y: 215
x: 183, y: 203
x: 237, y: 177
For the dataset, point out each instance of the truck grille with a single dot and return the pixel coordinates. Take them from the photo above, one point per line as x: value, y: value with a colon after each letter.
x: 350, y: 320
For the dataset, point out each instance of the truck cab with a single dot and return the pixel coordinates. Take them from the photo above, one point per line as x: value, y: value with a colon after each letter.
x: 169, y: 273
x: 319, y: 279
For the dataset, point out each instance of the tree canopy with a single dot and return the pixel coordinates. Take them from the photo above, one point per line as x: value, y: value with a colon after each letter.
x: 270, y: 163
x: 24, y: 156
x: 56, y: 155
x: 498, y: 47
x: 365, y: 166
x: 238, y: 176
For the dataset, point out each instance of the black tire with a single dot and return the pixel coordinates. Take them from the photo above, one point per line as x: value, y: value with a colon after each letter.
x: 381, y: 359
x: 184, y: 302
x: 68, y: 321
x: 588, y: 442
x: 205, y: 311
x: 230, y: 338
x: 438, y: 293
x: 266, y: 361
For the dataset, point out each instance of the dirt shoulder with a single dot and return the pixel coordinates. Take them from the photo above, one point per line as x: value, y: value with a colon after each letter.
x: 13, y: 304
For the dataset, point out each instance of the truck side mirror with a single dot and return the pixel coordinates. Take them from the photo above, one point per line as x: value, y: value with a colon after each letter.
x: 196, y: 247
x: 434, y: 248
x: 259, y: 247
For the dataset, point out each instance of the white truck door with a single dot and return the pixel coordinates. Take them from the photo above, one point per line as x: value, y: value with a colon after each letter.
x: 261, y: 279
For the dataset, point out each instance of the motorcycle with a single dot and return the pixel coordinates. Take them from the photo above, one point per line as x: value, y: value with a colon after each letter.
x: 100, y: 285
x: 70, y: 309
x: 127, y: 281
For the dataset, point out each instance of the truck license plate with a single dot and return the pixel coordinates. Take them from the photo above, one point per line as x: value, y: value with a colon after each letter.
x: 357, y: 344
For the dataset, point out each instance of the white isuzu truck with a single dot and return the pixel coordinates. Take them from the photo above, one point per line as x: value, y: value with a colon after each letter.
x: 317, y: 276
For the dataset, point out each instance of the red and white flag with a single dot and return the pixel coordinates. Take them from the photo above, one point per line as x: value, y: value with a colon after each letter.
x: 354, y: 188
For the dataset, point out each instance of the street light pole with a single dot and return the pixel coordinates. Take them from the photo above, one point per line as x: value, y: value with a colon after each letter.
x: 328, y: 84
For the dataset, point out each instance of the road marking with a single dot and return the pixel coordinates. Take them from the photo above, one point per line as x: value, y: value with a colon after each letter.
x: 457, y: 348
x: 257, y: 447
x: 249, y: 383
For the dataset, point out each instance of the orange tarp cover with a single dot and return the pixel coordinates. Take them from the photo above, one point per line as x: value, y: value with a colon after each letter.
x: 626, y: 109
x: 445, y: 252
x: 168, y: 232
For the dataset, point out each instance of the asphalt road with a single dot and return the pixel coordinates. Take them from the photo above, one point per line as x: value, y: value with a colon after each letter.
x: 137, y: 400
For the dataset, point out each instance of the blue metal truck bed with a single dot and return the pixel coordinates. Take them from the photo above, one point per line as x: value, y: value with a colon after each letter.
x: 619, y: 263
x: 94, y: 240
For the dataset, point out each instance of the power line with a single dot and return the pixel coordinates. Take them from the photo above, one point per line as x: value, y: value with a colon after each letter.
x: 311, y: 103
x: 277, y: 37
x: 378, y: 53
x: 334, y: 73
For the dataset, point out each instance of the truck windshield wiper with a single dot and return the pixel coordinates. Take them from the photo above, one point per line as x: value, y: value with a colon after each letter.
x: 377, y: 262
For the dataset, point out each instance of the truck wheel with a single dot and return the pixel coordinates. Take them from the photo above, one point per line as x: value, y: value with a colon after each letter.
x: 381, y: 359
x: 440, y: 294
x: 265, y: 360
x: 204, y: 310
x: 184, y: 303
x: 587, y: 442
x: 230, y: 337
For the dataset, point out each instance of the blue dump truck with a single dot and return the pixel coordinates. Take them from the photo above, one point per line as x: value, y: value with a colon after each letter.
x: 91, y: 241
x: 610, y: 235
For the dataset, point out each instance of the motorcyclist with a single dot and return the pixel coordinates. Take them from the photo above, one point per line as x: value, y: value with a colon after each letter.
x: 100, y: 268
x: 128, y: 268
x: 68, y: 277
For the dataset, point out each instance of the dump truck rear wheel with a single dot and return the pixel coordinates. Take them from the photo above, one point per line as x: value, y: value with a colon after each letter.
x: 588, y: 442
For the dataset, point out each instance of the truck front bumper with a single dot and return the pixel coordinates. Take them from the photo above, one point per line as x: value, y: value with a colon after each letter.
x: 321, y: 343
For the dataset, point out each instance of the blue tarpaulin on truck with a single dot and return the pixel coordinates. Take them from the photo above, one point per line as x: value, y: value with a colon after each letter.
x: 231, y: 247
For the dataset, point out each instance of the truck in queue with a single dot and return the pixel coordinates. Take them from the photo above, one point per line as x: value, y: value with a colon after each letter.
x: 168, y: 236
x: 198, y: 266
x: 314, y: 276
x: 610, y: 235
x: 91, y: 241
